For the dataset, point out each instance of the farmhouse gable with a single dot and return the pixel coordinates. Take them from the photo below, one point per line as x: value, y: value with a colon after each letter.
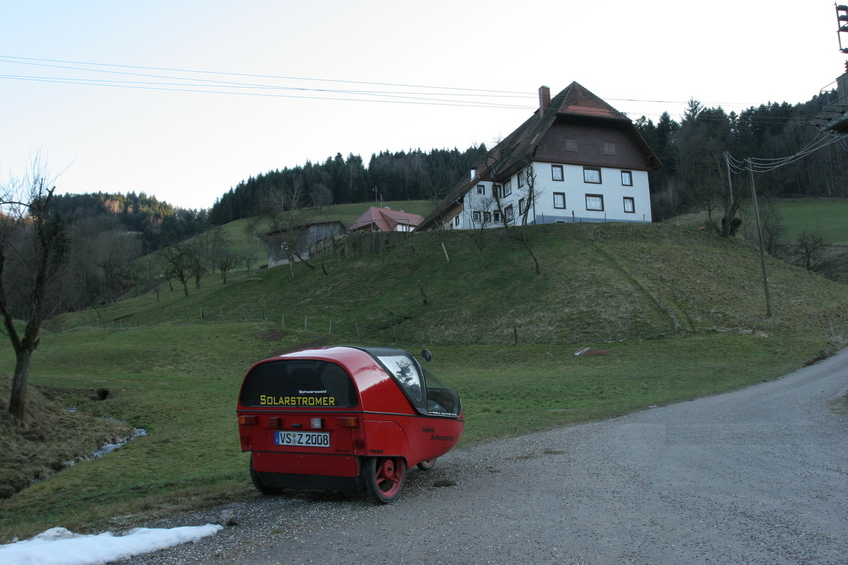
x: 584, y: 160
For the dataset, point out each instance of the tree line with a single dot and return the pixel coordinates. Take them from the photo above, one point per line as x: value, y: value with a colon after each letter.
x: 405, y: 175
x: 156, y: 224
x: 695, y: 174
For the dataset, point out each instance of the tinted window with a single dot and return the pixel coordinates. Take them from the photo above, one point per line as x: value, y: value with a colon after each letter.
x: 298, y: 383
x: 440, y: 398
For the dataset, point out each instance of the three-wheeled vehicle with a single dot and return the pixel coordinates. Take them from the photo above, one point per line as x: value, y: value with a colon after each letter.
x: 345, y: 419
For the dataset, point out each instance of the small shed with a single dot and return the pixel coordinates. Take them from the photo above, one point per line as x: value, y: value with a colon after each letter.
x: 299, y: 242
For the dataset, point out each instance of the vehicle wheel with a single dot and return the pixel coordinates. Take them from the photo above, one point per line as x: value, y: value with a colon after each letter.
x: 257, y: 482
x: 427, y: 465
x: 384, y: 477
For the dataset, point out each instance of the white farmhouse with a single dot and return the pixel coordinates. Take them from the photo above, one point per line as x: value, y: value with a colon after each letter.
x: 577, y: 159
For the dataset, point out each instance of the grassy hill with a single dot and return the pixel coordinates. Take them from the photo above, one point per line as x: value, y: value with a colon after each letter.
x: 601, y: 282
x: 681, y: 313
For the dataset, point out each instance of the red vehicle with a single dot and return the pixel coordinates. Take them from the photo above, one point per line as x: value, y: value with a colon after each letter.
x: 345, y: 419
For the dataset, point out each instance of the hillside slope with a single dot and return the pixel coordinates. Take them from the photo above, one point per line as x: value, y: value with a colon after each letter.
x: 599, y: 282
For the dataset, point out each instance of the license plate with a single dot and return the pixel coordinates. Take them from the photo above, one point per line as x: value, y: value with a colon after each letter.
x: 303, y: 439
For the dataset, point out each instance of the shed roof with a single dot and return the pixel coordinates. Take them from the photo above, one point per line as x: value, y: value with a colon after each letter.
x: 385, y: 219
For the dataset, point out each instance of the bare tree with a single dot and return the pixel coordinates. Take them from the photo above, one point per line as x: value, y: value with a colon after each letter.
x: 482, y: 207
x: 178, y: 264
x: 528, y: 193
x: 118, y: 250
x: 197, y: 265
x: 149, y: 272
x: 221, y: 252
x: 31, y: 241
x: 811, y: 246
x: 250, y: 257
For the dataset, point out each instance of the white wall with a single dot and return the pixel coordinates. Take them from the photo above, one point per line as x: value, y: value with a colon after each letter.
x: 575, y: 190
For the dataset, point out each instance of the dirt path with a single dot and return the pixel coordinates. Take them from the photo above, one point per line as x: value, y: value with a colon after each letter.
x: 758, y: 476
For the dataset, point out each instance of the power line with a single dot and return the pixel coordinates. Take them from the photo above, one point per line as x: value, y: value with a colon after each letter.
x: 184, y: 80
x: 213, y: 82
x: 763, y: 165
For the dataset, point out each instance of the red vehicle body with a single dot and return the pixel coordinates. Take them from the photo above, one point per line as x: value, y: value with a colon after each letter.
x: 345, y: 419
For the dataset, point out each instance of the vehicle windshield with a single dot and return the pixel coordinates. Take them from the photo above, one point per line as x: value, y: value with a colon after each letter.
x: 441, y: 399
x: 428, y: 394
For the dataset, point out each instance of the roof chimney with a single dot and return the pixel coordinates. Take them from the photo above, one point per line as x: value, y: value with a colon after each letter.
x: 544, y: 99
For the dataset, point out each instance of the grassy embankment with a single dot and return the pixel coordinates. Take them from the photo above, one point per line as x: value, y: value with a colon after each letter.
x: 681, y: 311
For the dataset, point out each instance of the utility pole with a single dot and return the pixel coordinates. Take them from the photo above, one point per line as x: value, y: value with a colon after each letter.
x: 760, y: 233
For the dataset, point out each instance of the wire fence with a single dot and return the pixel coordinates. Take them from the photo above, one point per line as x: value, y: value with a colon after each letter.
x: 566, y: 328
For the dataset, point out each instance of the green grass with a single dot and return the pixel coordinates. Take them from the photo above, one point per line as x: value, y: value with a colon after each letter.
x: 609, y: 286
x: 600, y: 282
x: 826, y: 215
x: 180, y: 383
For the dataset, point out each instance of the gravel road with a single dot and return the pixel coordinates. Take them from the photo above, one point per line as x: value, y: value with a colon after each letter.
x: 757, y: 476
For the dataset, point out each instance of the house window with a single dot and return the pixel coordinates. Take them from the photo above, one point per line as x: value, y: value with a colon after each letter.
x: 609, y: 148
x: 476, y: 216
x: 595, y: 202
x: 521, y: 207
x: 571, y: 145
x: 520, y: 179
x: 626, y: 178
x: 497, y: 217
x: 456, y: 221
x: 591, y: 175
x: 487, y: 217
x: 481, y: 189
x: 509, y: 214
x: 507, y: 188
x: 556, y: 172
x: 629, y: 205
x: 496, y: 190
x: 559, y: 200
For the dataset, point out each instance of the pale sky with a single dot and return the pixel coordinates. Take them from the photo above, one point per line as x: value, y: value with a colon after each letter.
x: 178, y: 136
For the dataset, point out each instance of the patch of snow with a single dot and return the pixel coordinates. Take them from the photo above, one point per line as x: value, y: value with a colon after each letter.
x: 58, y: 546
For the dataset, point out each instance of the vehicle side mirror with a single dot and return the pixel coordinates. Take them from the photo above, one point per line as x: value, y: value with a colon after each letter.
x: 426, y: 355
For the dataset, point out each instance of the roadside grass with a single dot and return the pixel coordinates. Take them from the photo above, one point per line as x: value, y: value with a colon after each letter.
x: 180, y: 382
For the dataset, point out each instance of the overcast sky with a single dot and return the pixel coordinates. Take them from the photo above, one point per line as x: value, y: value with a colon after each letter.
x: 183, y: 99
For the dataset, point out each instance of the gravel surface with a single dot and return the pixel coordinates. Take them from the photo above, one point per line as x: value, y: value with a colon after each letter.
x: 757, y: 476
